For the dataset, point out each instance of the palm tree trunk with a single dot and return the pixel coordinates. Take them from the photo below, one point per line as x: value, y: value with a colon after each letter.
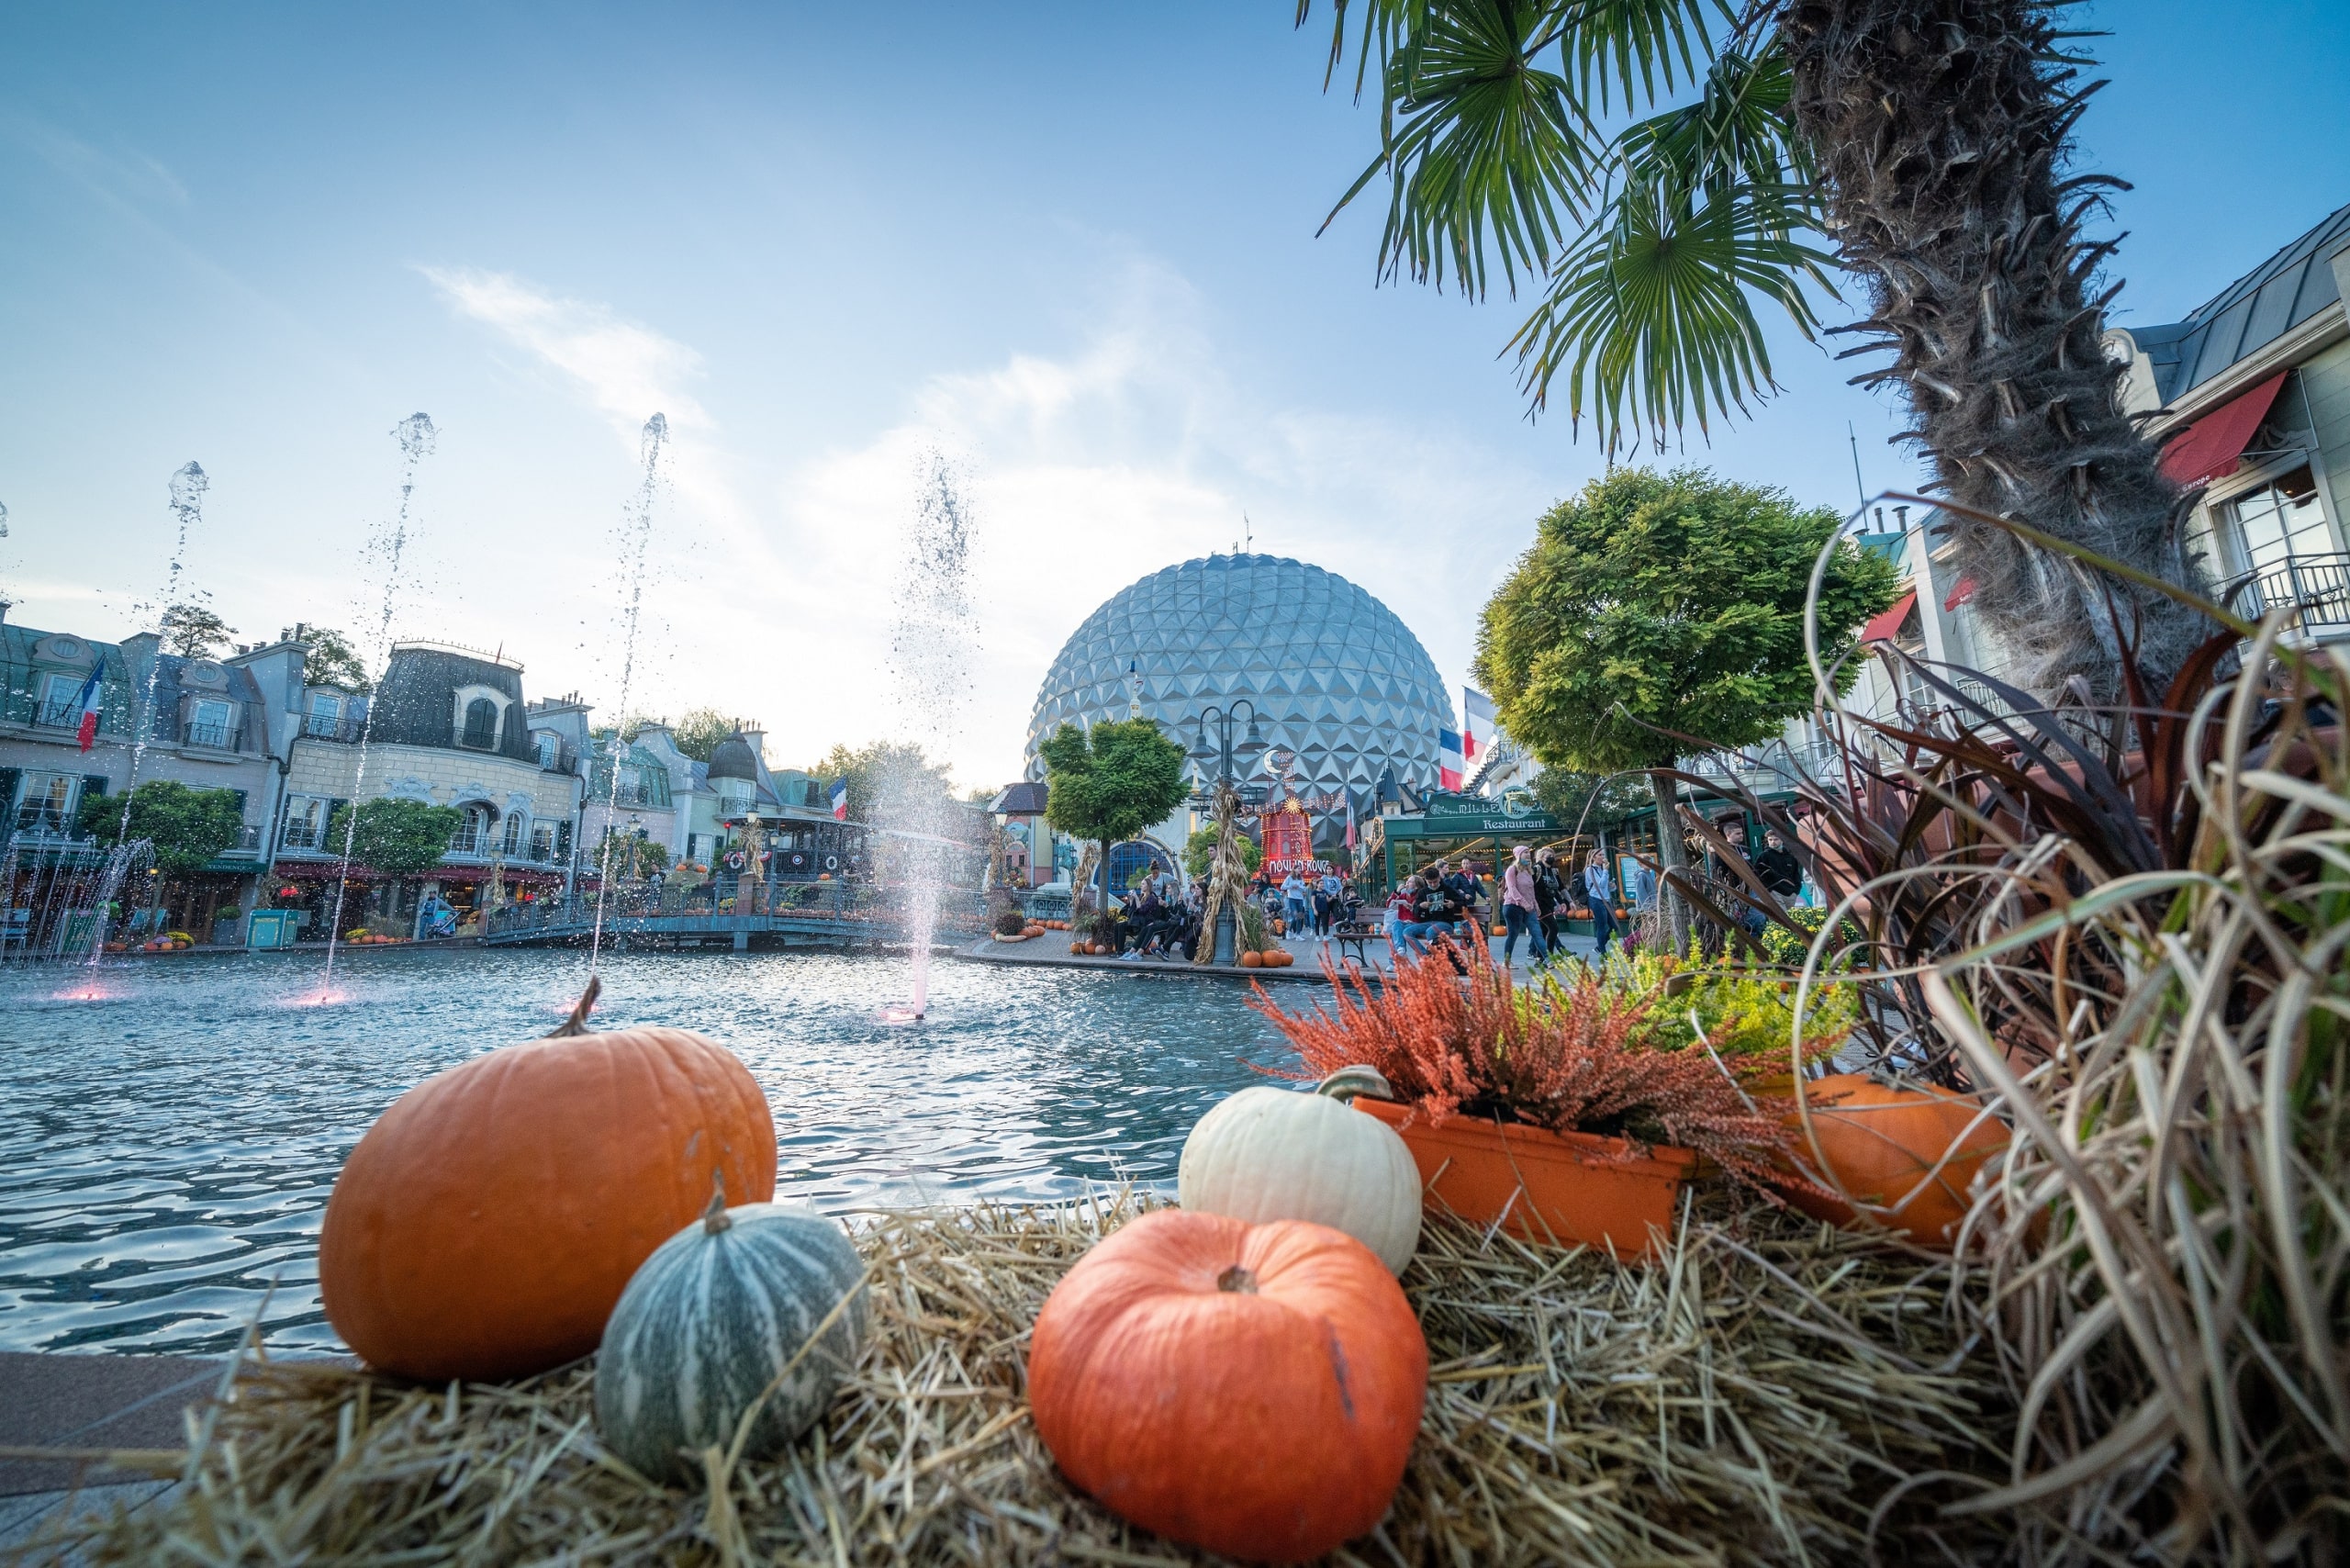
x: 1944, y: 132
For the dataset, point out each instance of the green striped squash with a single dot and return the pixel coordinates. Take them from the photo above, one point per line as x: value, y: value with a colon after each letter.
x: 707, y: 1323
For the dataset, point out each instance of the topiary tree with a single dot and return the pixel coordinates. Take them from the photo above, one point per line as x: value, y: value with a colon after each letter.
x: 1657, y: 606
x: 1110, y: 784
x: 187, y: 827
x: 399, y: 838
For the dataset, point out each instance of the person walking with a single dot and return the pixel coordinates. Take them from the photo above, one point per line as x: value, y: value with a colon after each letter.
x: 1599, y: 893
x: 1550, y: 896
x: 1297, y: 907
x: 1522, y: 908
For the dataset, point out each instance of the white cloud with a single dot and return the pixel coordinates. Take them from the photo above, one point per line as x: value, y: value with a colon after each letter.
x: 627, y: 370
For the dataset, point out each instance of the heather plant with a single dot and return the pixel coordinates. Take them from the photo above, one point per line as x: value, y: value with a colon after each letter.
x: 1574, y: 1054
x: 1746, y: 1016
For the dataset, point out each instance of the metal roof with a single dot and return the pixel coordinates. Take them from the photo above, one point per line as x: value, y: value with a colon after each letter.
x: 2249, y: 314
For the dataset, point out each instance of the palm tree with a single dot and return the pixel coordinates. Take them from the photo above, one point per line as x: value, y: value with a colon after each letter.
x: 1661, y: 168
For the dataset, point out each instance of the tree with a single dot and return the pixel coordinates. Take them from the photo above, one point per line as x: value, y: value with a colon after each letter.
x: 699, y: 732
x: 1654, y: 607
x: 1925, y: 144
x: 331, y: 661
x: 1111, y: 783
x: 1199, y: 852
x: 187, y: 827
x: 1594, y: 798
x: 192, y: 631
x: 629, y: 856
x: 399, y: 838
x: 893, y: 771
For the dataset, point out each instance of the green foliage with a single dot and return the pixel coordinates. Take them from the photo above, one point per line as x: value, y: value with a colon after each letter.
x: 192, y: 631
x: 1783, y: 947
x: 883, y: 770
x: 188, y: 828
x: 1585, y: 800
x: 629, y: 855
x: 331, y: 661
x: 1199, y: 851
x: 398, y: 838
x: 1654, y: 244
x: 1747, y: 1015
x: 1658, y: 606
x: 699, y: 731
x: 1112, y: 783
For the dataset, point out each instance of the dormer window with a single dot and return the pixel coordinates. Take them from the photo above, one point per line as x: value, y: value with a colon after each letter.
x: 550, y: 749
x: 481, y: 725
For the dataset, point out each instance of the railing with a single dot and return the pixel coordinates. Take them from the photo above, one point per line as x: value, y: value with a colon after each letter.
x: 222, y: 737
x: 64, y: 715
x: 2318, y: 586
x: 960, y: 911
x: 466, y: 840
x: 626, y: 795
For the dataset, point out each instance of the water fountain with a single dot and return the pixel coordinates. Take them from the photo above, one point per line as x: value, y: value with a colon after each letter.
x: 386, y: 550
x: 636, y: 535
x: 933, y: 644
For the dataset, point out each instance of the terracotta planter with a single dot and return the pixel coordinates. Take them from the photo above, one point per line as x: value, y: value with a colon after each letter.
x: 1564, y: 1187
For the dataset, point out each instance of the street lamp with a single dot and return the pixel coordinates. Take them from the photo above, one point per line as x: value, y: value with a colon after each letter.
x: 1220, y: 750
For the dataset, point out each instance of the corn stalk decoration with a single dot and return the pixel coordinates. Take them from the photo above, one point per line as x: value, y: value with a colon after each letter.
x: 1227, y: 873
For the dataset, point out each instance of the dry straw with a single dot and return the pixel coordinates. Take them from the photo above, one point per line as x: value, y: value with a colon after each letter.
x: 1767, y: 1393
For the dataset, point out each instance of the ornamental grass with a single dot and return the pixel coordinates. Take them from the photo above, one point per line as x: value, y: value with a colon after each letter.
x: 1571, y: 1053
x: 1770, y: 1392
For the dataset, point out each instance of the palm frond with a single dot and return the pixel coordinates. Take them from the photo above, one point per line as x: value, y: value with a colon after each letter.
x: 1626, y: 46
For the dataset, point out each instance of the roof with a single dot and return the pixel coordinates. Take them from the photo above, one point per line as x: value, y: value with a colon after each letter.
x: 1024, y: 798
x: 733, y: 758
x: 416, y: 704
x: 2249, y: 314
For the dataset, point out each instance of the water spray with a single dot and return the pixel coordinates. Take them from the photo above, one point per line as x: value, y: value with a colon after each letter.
x: 636, y: 534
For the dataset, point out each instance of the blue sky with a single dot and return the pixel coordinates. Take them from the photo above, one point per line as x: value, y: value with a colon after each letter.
x: 1071, y: 247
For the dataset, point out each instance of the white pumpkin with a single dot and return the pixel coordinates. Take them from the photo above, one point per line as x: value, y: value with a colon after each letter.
x: 1276, y: 1154
x: 708, y: 1323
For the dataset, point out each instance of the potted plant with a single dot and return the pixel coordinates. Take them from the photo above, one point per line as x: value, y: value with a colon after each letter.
x: 1571, y: 1111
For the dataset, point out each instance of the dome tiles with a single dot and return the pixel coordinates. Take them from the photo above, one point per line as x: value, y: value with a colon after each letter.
x: 1336, y: 677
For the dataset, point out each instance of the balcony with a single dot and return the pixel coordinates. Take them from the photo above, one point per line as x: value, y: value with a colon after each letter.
x: 2318, y: 586
x: 221, y: 737
x: 342, y: 728
x: 64, y: 715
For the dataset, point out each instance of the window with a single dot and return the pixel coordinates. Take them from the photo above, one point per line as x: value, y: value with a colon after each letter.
x: 60, y: 699
x: 481, y: 725
x: 550, y: 750
x: 306, y: 823
x: 326, y: 715
x: 473, y: 828
x: 512, y: 843
x: 48, y: 801
x: 543, y: 843
x: 2280, y: 521
x: 211, y: 722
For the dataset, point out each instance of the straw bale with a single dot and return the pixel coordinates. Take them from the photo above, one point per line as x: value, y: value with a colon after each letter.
x: 1756, y: 1396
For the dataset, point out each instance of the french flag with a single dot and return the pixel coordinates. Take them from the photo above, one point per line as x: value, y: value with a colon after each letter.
x: 840, y: 799
x: 1451, y: 767
x: 87, y: 733
x: 1481, y: 725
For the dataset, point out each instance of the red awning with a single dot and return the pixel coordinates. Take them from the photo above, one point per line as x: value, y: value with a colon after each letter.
x: 1959, y: 595
x: 2210, y: 447
x: 1888, y: 626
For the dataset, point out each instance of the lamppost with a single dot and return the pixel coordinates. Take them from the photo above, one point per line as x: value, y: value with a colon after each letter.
x: 1221, y: 752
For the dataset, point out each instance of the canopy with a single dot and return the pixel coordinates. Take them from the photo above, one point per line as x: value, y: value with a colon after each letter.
x: 1888, y: 626
x: 2210, y: 447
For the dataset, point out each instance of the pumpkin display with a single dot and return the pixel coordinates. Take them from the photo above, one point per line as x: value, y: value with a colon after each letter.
x: 1275, y: 1154
x: 712, y: 1321
x: 1252, y: 959
x: 1879, y: 1140
x: 488, y: 1222
x: 1253, y: 1390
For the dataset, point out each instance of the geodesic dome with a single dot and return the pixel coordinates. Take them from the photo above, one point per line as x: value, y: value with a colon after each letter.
x: 1334, y: 676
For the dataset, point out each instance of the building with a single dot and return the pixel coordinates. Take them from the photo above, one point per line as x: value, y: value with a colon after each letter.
x: 448, y: 726
x: 1342, y: 690
x: 2251, y: 390
x: 207, y: 723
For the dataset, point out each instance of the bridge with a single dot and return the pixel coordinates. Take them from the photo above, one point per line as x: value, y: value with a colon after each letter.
x: 819, y: 914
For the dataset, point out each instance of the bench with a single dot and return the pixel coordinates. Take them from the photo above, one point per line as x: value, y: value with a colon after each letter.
x: 1354, y: 934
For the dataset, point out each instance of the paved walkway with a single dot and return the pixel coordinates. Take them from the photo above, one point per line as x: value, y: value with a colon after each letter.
x: 86, y: 1405
x: 1051, y: 951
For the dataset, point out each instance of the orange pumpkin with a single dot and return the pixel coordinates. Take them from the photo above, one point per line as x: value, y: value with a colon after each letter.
x: 485, y: 1225
x: 1249, y: 1389
x: 1252, y: 959
x: 1879, y: 1140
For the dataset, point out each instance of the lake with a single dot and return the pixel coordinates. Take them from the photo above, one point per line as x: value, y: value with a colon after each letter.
x: 166, y: 1149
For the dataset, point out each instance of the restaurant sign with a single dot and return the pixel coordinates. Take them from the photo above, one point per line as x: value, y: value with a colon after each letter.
x: 1514, y: 810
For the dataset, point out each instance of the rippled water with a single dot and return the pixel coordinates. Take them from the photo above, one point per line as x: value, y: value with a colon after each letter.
x: 166, y: 1151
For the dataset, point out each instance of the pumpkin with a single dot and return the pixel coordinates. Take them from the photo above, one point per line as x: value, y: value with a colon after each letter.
x: 710, y: 1323
x: 1253, y: 1390
x: 487, y: 1222
x: 1252, y: 959
x: 1275, y: 1154
x: 1878, y: 1141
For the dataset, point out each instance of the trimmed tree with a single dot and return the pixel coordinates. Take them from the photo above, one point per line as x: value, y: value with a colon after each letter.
x: 187, y: 827
x: 1199, y: 852
x: 1111, y: 783
x: 1657, y: 606
x: 399, y: 838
